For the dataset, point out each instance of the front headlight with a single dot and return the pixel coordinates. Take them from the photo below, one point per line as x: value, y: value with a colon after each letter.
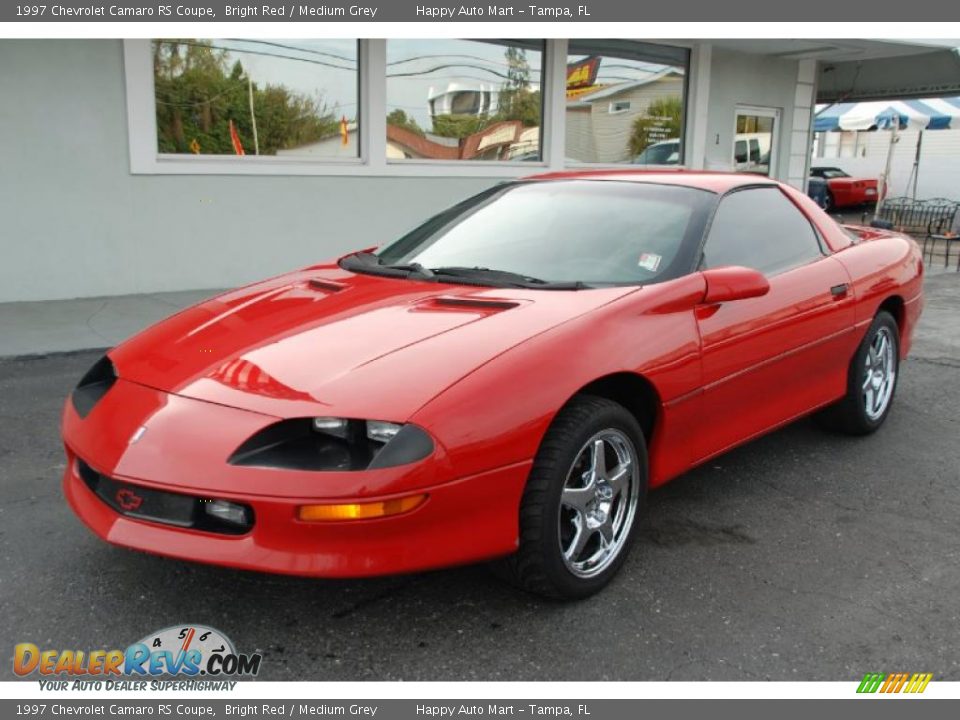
x: 333, y: 444
x: 383, y: 432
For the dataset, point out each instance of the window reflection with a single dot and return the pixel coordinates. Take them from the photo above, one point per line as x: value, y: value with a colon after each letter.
x: 256, y: 97
x: 464, y: 99
x: 625, y: 102
x: 753, y: 143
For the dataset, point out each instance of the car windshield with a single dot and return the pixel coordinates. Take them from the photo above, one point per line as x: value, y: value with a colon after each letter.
x: 833, y: 173
x: 581, y: 232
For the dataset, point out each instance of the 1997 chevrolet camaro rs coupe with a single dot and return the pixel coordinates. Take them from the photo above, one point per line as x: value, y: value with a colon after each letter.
x: 504, y: 382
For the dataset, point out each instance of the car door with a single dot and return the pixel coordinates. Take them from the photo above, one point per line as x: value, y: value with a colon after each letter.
x: 766, y: 360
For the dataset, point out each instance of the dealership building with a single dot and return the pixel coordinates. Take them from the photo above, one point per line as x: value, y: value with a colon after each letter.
x: 139, y: 166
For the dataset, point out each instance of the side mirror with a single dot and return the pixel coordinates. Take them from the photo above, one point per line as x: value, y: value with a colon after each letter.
x: 733, y: 283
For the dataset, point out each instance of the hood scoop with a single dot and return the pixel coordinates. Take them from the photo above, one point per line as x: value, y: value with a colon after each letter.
x: 325, y: 285
x: 481, y: 304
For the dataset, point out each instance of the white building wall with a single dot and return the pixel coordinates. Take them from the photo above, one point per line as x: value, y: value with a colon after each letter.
x: 742, y: 79
x: 939, y: 170
x: 75, y: 223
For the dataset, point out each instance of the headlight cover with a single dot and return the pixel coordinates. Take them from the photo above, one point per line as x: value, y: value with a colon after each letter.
x: 93, y: 386
x: 333, y: 444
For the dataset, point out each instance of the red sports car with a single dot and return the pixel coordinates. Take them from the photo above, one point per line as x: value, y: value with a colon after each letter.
x: 504, y: 382
x: 846, y: 191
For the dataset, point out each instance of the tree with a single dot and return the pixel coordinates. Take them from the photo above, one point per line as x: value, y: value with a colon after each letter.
x: 197, y: 97
x: 398, y: 118
x: 517, y: 101
x: 661, y: 120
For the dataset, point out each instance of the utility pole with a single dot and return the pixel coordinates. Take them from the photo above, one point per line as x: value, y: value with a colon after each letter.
x: 253, y: 117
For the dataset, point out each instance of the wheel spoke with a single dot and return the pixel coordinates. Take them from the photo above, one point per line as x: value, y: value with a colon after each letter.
x: 606, y: 533
x: 579, y: 541
x: 618, y: 478
x: 598, y: 459
x: 578, y: 498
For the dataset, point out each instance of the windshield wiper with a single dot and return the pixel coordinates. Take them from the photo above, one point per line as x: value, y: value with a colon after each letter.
x: 507, y: 276
x: 484, y: 277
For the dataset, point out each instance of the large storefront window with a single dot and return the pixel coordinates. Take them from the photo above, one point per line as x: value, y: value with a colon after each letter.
x: 625, y: 102
x: 464, y: 99
x: 257, y: 97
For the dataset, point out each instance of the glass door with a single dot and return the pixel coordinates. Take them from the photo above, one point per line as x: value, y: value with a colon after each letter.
x: 755, y: 140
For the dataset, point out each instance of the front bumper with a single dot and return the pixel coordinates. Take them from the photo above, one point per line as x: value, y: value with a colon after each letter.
x: 467, y: 520
x: 184, y: 450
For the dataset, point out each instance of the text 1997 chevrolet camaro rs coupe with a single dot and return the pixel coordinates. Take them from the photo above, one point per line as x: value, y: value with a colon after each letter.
x: 504, y: 382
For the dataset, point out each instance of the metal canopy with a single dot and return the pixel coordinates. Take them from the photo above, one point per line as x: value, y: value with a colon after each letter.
x: 929, y: 74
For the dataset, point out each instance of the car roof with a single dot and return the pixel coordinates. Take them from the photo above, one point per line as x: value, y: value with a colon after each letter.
x: 717, y: 182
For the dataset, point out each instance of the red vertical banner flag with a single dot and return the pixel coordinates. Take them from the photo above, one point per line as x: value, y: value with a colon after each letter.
x: 344, y: 131
x: 235, y: 139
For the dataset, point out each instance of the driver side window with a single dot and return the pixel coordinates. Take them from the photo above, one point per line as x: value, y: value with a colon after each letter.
x: 760, y: 228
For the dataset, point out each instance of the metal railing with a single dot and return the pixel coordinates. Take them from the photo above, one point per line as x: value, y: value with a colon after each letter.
x: 919, y: 216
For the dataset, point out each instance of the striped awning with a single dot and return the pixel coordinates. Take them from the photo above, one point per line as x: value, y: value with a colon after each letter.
x: 926, y: 114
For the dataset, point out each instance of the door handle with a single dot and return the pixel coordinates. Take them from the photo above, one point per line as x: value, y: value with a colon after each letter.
x: 839, y: 291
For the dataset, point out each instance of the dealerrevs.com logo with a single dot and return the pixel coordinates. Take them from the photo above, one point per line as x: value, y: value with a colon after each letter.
x: 180, y: 651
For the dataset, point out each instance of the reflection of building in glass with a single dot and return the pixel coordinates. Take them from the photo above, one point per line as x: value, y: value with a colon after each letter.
x: 462, y: 99
x: 505, y: 140
x: 601, y: 118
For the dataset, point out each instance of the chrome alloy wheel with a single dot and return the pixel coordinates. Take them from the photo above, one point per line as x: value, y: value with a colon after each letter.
x: 598, y: 503
x: 880, y: 374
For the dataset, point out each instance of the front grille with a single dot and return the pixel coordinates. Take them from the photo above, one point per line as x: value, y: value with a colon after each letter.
x: 159, y: 506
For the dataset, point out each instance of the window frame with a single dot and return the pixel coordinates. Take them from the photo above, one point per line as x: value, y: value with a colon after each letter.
x: 372, y: 131
x: 818, y: 238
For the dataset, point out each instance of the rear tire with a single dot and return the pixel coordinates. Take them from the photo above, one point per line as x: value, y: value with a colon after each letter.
x: 578, y: 514
x: 871, y: 381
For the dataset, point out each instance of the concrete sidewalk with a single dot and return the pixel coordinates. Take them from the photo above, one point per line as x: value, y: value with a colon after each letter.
x: 37, y: 328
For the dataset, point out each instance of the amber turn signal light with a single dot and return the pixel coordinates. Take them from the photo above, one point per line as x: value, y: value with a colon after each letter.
x: 359, y: 511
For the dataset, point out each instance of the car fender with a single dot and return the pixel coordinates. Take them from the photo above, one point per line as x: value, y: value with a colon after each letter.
x: 498, y: 414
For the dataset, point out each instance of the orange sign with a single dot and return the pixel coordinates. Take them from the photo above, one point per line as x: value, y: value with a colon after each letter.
x: 583, y: 74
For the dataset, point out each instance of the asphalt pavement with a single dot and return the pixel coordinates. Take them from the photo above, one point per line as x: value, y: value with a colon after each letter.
x: 801, y: 556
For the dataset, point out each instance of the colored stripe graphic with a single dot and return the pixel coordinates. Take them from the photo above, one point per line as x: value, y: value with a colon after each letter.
x: 894, y: 683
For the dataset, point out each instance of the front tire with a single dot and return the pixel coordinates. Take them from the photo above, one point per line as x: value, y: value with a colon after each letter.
x: 578, y: 515
x: 871, y: 381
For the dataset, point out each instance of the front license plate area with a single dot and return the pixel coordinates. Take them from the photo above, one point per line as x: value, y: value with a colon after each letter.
x: 140, y: 502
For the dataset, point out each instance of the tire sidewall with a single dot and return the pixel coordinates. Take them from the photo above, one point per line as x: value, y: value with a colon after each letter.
x: 611, y: 417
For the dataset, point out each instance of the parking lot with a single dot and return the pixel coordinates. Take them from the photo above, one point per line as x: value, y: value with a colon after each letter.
x: 801, y: 556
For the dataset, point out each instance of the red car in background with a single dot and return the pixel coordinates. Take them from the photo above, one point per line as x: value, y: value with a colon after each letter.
x: 504, y: 382
x: 844, y: 190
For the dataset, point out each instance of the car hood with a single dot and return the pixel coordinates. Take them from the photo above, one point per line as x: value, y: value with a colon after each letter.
x: 325, y: 341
